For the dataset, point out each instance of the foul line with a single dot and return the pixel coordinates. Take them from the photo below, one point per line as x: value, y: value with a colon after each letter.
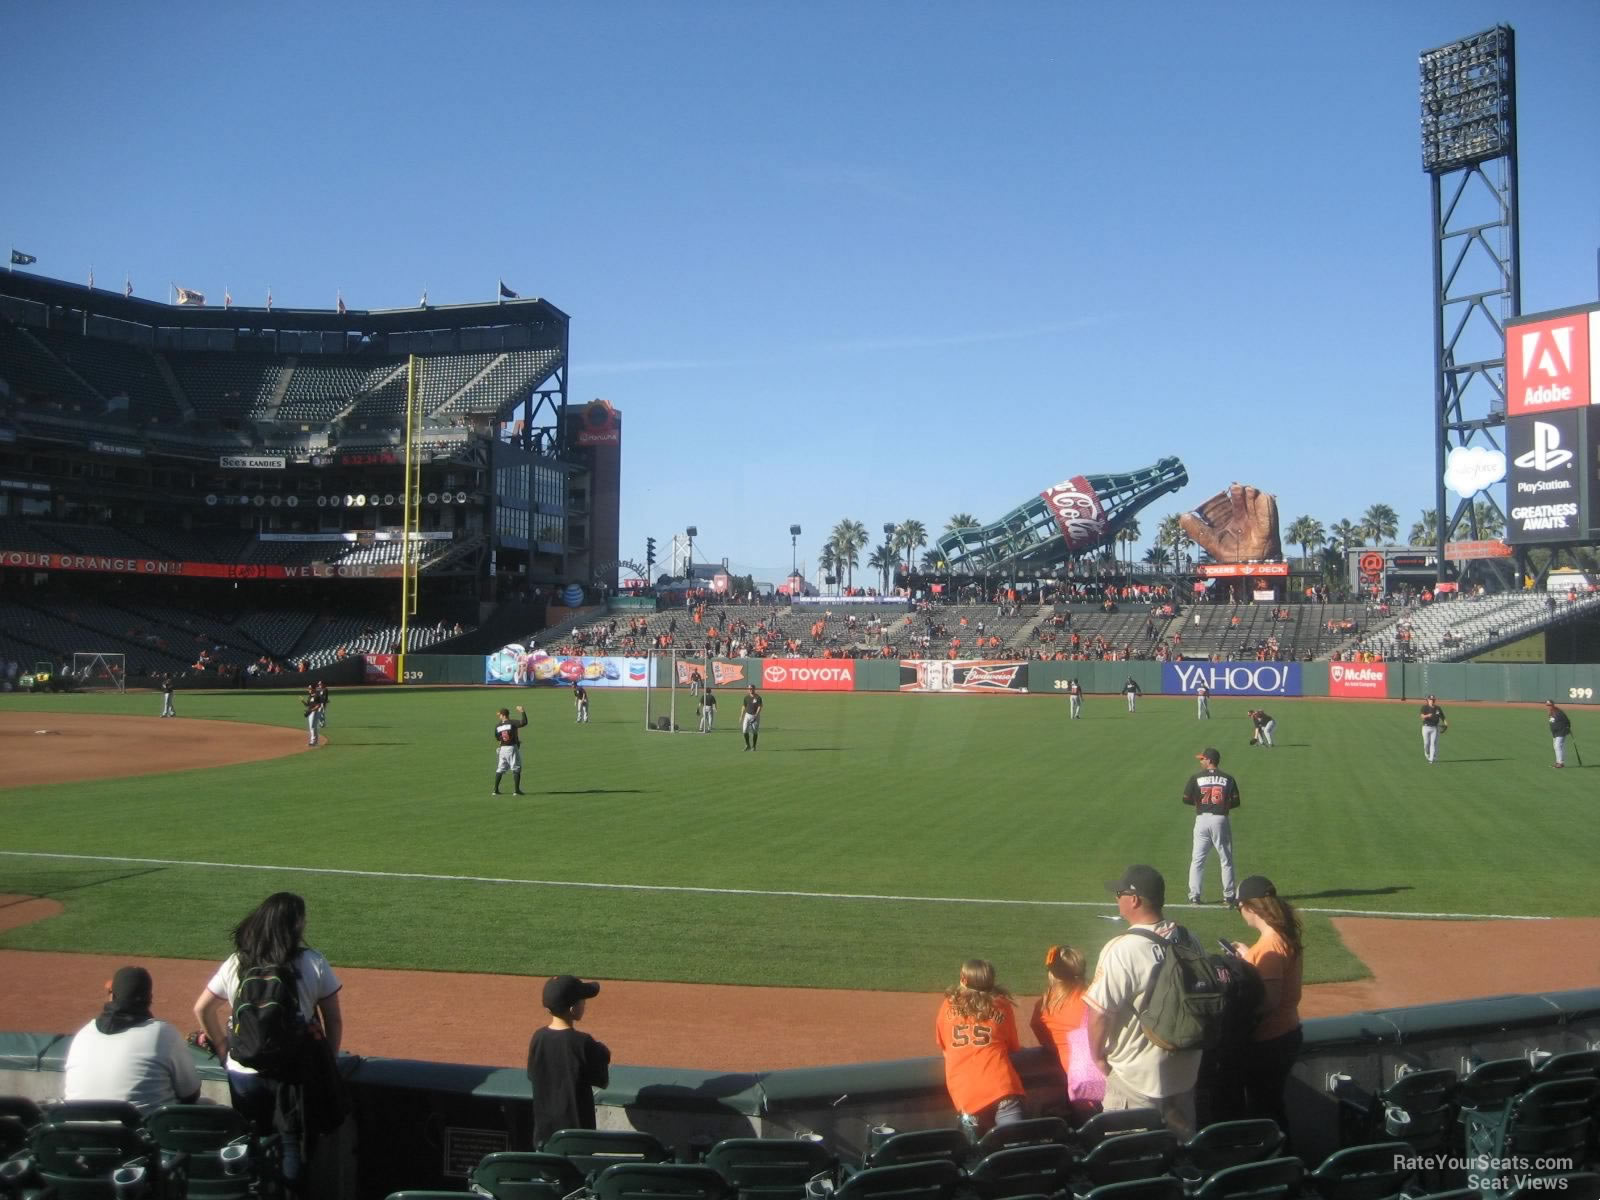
x: 711, y: 891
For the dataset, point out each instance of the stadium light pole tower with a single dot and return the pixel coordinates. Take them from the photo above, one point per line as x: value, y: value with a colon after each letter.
x: 691, y: 533
x: 794, y: 552
x: 1469, y: 150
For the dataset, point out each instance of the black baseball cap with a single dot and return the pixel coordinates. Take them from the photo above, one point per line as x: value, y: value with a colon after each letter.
x: 1144, y: 882
x: 1212, y: 753
x: 1256, y: 887
x: 131, y: 985
x: 563, y: 991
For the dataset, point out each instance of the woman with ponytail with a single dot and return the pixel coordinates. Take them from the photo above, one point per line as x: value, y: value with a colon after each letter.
x: 1278, y: 956
x: 1059, y: 1021
x: 977, y: 1031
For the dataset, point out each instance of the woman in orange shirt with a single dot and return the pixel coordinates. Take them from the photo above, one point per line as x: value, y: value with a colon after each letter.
x: 1059, y: 1022
x: 1278, y: 956
x: 977, y: 1031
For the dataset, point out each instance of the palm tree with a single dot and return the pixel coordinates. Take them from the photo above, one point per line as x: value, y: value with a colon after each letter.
x: 961, y: 521
x: 1333, y: 568
x: 847, y: 539
x: 910, y: 535
x: 1157, y: 557
x: 1128, y: 535
x: 1422, y: 533
x: 1380, y: 523
x: 1305, y: 532
x: 827, y: 561
x: 1490, y: 523
x: 882, y: 561
x: 1347, y: 534
x: 1169, y: 533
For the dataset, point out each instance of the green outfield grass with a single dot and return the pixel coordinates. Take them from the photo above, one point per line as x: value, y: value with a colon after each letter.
x: 967, y: 799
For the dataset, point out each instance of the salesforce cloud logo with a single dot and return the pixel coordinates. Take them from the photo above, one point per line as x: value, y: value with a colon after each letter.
x: 1470, y: 469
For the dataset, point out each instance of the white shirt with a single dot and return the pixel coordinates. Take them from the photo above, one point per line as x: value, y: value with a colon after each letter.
x: 316, y: 983
x: 1121, y: 979
x: 146, y: 1064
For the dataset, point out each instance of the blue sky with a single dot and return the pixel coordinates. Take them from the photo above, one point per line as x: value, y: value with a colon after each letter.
x: 867, y: 260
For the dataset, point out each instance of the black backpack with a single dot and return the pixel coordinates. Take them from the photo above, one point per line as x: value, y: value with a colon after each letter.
x: 267, y: 1032
x: 1193, y: 995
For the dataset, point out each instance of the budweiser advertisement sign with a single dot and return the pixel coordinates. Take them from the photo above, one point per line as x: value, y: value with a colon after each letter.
x: 1078, y: 513
x: 1261, y: 570
x: 962, y: 675
x: 1363, y: 680
x: 808, y: 675
x: 1548, y: 365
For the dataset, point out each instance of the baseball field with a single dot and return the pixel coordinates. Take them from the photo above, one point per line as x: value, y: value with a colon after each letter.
x: 871, y: 842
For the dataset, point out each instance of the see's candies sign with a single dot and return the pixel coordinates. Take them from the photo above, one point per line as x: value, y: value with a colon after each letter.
x: 1368, y: 680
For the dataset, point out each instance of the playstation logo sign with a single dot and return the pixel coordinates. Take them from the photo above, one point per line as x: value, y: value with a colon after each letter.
x: 1547, y: 453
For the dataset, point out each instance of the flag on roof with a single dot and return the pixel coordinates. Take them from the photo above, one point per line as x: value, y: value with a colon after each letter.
x: 91, y: 279
x: 19, y: 259
x: 127, y: 286
x: 423, y: 303
x: 506, y: 293
x: 189, y: 296
x: 341, y: 306
x: 269, y: 297
x: 227, y: 298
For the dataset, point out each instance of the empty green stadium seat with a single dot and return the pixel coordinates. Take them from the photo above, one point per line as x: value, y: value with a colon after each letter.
x: 1372, y: 1172
x: 1227, y: 1144
x: 526, y: 1175
x: 1275, y: 1179
x: 660, y: 1181
x: 931, y: 1179
x: 769, y: 1168
x: 593, y: 1150
x: 1123, y: 1120
x: 1035, y: 1131
x: 1020, y: 1171
x: 1162, y: 1187
x: 79, y: 1158
x: 1126, y: 1156
x: 203, y: 1132
x: 921, y: 1145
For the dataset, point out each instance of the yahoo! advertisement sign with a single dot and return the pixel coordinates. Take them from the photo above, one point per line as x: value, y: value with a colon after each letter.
x: 1232, y: 678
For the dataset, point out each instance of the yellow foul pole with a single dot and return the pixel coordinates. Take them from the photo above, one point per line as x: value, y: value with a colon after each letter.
x: 411, y: 513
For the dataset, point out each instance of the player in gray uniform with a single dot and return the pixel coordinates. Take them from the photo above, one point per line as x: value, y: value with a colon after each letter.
x: 166, y: 697
x: 580, y: 698
x: 1214, y: 794
x: 1263, y: 727
x: 750, y: 722
x: 1560, y: 731
x: 313, y: 706
x: 1132, y: 691
x: 708, y: 711
x: 1202, y: 703
x: 509, y: 748
x: 1433, y: 724
x: 1075, y: 698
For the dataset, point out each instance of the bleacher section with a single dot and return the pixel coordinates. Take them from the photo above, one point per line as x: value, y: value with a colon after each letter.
x: 226, y: 385
x: 30, y: 369
x: 1455, y: 630
x: 115, y: 370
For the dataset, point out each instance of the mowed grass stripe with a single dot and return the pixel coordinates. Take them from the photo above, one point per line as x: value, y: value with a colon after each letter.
x: 866, y: 795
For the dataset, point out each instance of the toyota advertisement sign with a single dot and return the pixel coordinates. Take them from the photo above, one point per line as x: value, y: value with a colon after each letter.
x: 1544, y: 486
x: 1232, y: 678
x: 1366, y: 681
x: 808, y: 675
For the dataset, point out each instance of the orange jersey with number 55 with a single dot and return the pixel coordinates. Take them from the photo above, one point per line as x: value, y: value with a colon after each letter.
x: 977, y: 1056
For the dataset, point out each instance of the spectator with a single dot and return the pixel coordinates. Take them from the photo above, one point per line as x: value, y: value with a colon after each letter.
x: 1278, y: 956
x: 977, y: 1030
x: 565, y: 1066
x: 126, y: 1054
x: 274, y: 936
x: 1059, y: 1021
x: 1139, y: 1074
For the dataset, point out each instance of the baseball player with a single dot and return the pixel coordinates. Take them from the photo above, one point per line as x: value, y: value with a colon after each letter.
x: 696, y: 683
x: 313, y: 707
x: 580, y: 699
x: 1262, y: 727
x: 1560, y: 730
x: 509, y: 748
x: 1075, y: 698
x: 1202, y: 703
x: 1433, y: 724
x: 166, y: 697
x: 1132, y: 691
x: 750, y: 722
x: 1214, y: 794
x: 708, y: 711
x: 322, y: 707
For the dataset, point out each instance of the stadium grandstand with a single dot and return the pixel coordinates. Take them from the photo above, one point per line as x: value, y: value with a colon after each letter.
x: 177, y: 479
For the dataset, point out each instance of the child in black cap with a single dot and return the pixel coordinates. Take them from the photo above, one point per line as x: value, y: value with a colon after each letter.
x: 564, y: 1066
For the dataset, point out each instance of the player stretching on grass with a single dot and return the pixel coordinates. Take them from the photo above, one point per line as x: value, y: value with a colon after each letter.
x: 750, y: 722
x: 510, y: 748
x: 580, y: 697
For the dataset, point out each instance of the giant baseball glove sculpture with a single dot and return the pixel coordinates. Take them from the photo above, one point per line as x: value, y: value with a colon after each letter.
x: 1239, y: 524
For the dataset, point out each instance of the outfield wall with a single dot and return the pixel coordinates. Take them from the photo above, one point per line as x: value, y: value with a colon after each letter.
x: 424, y: 1125
x: 1493, y: 682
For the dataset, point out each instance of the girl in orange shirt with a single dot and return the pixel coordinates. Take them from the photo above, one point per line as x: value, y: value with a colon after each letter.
x: 1059, y: 1022
x: 977, y: 1031
x: 1278, y: 956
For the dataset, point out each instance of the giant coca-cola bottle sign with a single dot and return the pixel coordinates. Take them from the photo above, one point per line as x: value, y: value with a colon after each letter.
x: 1078, y: 512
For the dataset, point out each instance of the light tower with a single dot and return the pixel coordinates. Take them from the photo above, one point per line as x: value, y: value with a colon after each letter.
x: 1469, y: 150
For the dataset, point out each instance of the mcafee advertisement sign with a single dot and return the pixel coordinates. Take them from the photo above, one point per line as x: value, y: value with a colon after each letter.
x: 1543, y: 487
x: 1368, y: 681
x: 808, y: 675
x: 1547, y: 365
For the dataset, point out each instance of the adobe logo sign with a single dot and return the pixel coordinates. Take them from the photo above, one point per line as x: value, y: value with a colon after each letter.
x: 1547, y: 365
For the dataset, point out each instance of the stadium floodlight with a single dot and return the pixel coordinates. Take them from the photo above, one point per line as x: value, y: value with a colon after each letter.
x: 1468, y: 94
x: 794, y: 550
x: 691, y: 533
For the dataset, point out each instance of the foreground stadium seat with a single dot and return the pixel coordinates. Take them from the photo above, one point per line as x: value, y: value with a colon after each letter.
x: 204, y: 1132
x: 933, y: 1179
x: 1371, y: 1172
x: 1035, y: 1131
x: 1569, y: 1185
x: 1275, y: 1179
x: 769, y: 1168
x: 1418, y: 1108
x: 23, y: 1109
x: 79, y: 1159
x: 13, y: 1136
x: 1020, y: 1171
x: 593, y: 1150
x: 1121, y: 1120
x: 1227, y: 1144
x: 427, y: 1195
x: 1549, y: 1121
x: 526, y: 1175
x: 660, y: 1181
x: 1128, y: 1156
x: 921, y: 1145
x: 1163, y: 1187
x: 1569, y: 1064
x: 119, y: 1112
